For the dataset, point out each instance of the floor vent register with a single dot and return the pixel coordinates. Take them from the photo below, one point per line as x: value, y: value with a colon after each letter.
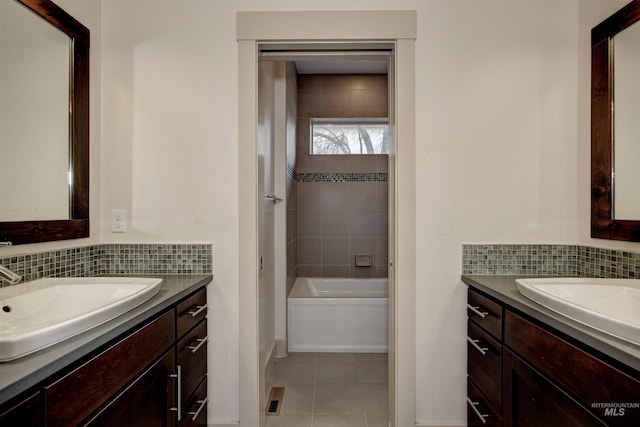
x: 275, y: 401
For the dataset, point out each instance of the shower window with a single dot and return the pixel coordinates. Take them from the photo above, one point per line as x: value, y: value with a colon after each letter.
x: 349, y: 136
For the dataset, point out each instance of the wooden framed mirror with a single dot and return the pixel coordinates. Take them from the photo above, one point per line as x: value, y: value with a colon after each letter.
x: 615, y: 166
x: 72, y: 219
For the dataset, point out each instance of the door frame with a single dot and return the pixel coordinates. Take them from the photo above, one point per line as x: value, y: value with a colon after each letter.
x: 398, y: 27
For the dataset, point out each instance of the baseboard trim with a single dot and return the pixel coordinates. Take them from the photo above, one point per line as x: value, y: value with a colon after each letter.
x: 281, y: 348
x: 270, y: 362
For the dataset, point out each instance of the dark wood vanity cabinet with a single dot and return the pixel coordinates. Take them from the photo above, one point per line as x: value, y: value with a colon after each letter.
x: 543, y: 380
x: 155, y: 375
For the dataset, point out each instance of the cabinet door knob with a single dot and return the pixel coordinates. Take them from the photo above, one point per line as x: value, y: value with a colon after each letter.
x: 482, y: 350
x: 477, y: 311
x: 478, y: 413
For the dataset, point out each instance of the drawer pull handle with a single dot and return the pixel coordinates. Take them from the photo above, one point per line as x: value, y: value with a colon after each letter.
x: 197, y: 310
x: 478, y: 413
x: 202, y: 404
x: 201, y: 342
x: 178, y: 377
x: 477, y: 311
x: 482, y: 350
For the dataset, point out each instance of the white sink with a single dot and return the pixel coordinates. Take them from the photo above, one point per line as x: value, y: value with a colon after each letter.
x: 609, y: 305
x: 43, y: 312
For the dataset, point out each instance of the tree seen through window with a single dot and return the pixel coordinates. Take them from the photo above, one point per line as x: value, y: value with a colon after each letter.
x: 347, y: 136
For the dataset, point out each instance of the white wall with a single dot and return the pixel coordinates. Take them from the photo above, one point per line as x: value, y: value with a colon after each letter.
x: 502, y: 107
x: 498, y: 151
x: 169, y: 150
x: 502, y: 148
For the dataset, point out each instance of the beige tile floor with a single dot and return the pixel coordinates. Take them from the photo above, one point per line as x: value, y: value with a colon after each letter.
x: 331, y: 390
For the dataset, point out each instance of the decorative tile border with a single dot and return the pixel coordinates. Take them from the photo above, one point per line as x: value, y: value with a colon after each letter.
x: 152, y: 258
x: 337, y: 176
x: 293, y: 173
x: 545, y: 260
x: 343, y: 177
x: 72, y: 262
x: 148, y: 258
x: 608, y: 263
x: 519, y: 259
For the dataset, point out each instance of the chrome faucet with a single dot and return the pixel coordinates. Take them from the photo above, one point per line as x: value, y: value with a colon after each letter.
x: 9, y: 275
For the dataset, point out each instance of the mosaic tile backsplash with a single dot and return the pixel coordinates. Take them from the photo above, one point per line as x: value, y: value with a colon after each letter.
x: 150, y: 258
x: 545, y: 260
x: 114, y: 259
x: 519, y: 259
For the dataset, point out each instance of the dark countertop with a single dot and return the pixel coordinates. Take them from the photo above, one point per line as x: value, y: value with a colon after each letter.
x: 23, y: 373
x: 503, y: 288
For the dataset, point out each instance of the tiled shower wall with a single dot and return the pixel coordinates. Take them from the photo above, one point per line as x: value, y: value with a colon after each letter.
x: 113, y: 259
x: 544, y: 260
x: 339, y: 96
x: 341, y: 207
x: 336, y: 221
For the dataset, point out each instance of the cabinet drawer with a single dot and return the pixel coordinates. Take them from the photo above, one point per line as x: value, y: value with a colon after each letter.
x: 590, y: 380
x: 192, y: 358
x: 191, y: 311
x: 484, y: 359
x: 485, y: 313
x: 479, y: 411
x: 196, y: 407
x: 106, y: 373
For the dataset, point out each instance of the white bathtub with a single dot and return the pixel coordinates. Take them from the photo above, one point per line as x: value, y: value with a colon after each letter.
x: 338, y: 315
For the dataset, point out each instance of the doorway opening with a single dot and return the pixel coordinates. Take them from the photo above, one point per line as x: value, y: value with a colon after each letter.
x: 324, y: 142
x: 360, y: 30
